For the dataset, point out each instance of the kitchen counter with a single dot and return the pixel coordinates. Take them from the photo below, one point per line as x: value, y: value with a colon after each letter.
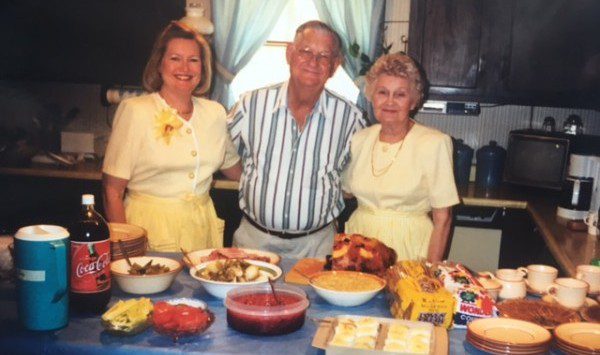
x: 569, y: 248
x: 87, y: 170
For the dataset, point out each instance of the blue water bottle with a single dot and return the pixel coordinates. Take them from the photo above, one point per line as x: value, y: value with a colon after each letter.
x: 490, y: 165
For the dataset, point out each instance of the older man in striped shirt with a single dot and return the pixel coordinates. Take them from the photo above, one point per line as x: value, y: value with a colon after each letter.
x: 294, y: 140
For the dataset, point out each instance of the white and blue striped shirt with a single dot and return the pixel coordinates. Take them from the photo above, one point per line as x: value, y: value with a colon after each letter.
x: 291, y: 178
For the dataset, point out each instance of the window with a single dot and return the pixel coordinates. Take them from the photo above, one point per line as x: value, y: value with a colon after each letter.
x: 272, y: 56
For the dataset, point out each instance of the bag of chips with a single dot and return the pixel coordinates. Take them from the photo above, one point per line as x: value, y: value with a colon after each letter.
x: 472, y: 300
x: 416, y: 295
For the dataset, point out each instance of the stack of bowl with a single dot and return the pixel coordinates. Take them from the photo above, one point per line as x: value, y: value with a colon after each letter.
x: 133, y: 239
x: 508, y: 336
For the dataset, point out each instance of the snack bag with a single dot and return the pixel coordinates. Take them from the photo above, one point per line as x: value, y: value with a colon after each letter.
x: 472, y: 300
x: 417, y: 296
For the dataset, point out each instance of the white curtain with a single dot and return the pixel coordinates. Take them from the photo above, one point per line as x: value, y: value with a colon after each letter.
x: 241, y: 28
x: 357, y: 21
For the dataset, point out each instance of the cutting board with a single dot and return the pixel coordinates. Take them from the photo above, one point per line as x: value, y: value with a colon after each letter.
x: 304, y: 269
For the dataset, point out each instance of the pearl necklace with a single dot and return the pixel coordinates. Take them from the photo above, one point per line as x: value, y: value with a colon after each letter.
x: 382, y: 171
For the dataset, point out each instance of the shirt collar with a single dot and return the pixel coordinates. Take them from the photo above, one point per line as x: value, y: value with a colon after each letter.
x: 281, y: 100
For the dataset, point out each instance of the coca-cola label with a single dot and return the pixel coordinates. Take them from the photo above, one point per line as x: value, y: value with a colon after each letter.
x: 90, y: 266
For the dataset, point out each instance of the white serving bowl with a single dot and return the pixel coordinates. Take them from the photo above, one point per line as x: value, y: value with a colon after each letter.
x: 145, y: 284
x: 346, y: 298
x: 219, y: 289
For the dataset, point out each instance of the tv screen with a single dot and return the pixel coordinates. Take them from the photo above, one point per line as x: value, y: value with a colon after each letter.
x: 536, y: 160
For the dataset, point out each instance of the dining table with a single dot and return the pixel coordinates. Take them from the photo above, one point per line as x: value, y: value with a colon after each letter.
x: 85, y: 334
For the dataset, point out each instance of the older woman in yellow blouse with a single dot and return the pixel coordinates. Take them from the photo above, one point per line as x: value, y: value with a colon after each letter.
x: 401, y: 171
x: 165, y: 147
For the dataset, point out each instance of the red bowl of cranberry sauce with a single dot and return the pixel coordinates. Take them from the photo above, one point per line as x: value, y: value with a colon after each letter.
x: 254, y: 310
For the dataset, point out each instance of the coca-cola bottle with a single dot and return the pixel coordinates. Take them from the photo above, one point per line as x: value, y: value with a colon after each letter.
x: 90, y: 260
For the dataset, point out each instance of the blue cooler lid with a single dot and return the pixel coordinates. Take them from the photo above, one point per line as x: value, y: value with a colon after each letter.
x: 42, y: 233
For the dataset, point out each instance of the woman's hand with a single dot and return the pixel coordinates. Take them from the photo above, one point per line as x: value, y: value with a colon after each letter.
x: 113, y: 190
x: 442, y: 222
x: 233, y: 173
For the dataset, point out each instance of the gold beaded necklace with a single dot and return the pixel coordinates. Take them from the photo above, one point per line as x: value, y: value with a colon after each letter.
x: 382, y: 171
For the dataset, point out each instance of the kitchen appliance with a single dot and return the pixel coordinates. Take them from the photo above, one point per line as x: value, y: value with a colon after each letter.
x: 573, y: 125
x: 477, y: 226
x: 537, y: 158
x: 41, y: 259
x: 581, y: 190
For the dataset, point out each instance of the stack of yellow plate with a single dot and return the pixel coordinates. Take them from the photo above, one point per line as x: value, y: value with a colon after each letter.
x: 578, y: 338
x: 133, y: 239
x: 508, y: 336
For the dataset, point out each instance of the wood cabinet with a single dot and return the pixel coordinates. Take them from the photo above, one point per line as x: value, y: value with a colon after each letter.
x: 462, y: 46
x: 522, y: 244
x: 555, y: 52
x: 81, y: 41
x: 532, y: 52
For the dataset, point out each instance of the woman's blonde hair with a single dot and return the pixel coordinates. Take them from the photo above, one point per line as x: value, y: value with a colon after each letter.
x: 399, y: 65
x: 152, y: 80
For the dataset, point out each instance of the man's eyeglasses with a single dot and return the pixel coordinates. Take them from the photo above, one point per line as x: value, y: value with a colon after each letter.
x: 306, y: 55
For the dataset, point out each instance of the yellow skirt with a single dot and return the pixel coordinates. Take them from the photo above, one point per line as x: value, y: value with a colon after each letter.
x: 408, y: 233
x: 190, y: 223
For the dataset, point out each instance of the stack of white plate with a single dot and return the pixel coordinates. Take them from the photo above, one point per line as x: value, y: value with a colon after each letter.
x: 508, y: 336
x: 578, y: 338
x: 133, y: 239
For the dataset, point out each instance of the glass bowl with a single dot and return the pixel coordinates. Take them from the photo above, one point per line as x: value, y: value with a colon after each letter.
x: 182, y: 322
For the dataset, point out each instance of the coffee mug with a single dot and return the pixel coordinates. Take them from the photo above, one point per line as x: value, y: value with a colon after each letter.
x: 591, y: 220
x: 569, y: 292
x: 492, y: 286
x: 539, y: 277
x: 510, y: 274
x: 591, y: 275
x: 511, y: 280
x: 41, y: 256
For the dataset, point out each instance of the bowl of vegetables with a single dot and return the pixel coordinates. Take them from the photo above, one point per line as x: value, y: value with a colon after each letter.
x: 181, y: 317
x: 146, y: 274
x: 220, y: 276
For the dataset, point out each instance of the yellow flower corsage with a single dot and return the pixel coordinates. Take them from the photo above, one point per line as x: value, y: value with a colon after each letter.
x: 167, y: 125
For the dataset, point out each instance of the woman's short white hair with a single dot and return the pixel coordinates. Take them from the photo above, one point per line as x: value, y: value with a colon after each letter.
x: 399, y: 65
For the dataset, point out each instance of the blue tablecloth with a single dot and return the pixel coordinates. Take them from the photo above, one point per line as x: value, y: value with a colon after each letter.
x: 85, y: 335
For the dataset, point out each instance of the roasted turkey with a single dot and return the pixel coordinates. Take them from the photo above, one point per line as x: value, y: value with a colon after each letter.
x: 355, y: 252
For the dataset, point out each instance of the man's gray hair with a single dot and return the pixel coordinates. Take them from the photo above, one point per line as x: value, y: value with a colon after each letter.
x: 322, y: 26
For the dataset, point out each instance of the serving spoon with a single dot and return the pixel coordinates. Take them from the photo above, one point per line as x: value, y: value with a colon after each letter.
x: 189, y: 260
x: 273, y: 291
x: 124, y: 251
